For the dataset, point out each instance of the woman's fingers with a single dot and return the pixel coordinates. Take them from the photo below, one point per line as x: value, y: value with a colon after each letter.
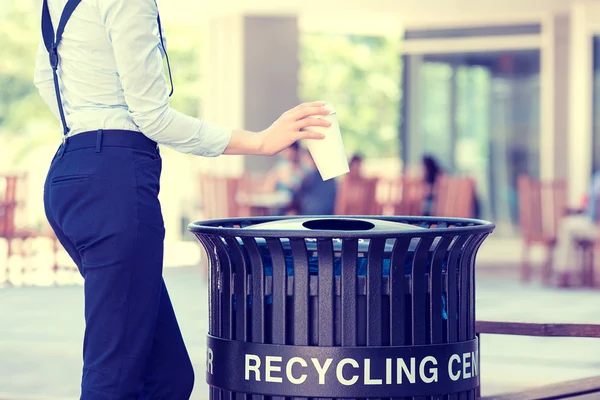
x: 308, y: 104
x: 310, y: 135
x: 307, y: 122
x: 309, y: 111
x: 299, y: 108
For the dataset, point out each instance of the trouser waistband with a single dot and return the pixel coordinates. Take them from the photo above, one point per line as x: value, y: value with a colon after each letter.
x: 108, y: 138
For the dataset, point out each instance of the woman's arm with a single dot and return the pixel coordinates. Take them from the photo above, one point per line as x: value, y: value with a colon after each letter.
x: 131, y: 26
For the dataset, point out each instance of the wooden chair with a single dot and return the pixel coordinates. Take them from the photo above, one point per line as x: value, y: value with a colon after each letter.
x: 218, y: 196
x: 565, y: 390
x: 454, y: 196
x: 13, y: 197
x: 541, y: 206
x: 357, y: 196
x: 401, y: 196
x: 249, y: 186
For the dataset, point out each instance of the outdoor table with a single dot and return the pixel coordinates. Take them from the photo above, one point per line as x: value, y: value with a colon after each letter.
x: 263, y: 204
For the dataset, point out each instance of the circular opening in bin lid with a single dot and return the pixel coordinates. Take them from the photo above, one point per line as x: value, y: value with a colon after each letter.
x: 339, y: 225
x: 332, y: 224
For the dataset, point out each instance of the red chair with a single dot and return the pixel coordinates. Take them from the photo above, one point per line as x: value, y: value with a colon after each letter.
x: 454, y: 196
x: 542, y: 204
x: 357, y: 196
x: 401, y: 196
x: 12, y: 205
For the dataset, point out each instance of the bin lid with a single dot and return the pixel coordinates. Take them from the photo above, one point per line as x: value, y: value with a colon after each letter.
x: 334, y: 224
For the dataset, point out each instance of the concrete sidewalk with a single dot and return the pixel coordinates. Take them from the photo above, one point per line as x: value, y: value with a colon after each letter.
x: 42, y: 328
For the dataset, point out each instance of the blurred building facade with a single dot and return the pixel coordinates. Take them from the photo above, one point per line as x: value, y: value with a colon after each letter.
x: 494, y: 90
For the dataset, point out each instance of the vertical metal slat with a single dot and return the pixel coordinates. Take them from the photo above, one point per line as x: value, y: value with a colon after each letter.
x: 258, y: 290
x: 241, y: 294
x: 279, y: 290
x: 398, y: 292
x: 301, y: 293
x: 279, y: 293
x: 452, y: 293
x: 418, y: 286
x: 374, y: 293
x: 258, y: 294
x: 464, y: 293
x: 349, y: 293
x: 214, y: 299
x: 472, y: 300
x: 326, y: 292
x: 436, y: 322
x: 225, y: 298
x: 224, y: 283
x: 435, y: 290
x: 419, y: 298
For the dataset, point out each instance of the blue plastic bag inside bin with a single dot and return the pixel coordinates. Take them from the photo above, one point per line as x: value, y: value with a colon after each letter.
x: 313, y: 263
x: 313, y: 259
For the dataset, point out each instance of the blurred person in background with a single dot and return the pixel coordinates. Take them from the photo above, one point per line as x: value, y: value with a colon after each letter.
x: 284, y: 179
x: 314, y: 196
x: 355, y: 165
x: 431, y: 172
x: 573, y: 227
x: 101, y: 73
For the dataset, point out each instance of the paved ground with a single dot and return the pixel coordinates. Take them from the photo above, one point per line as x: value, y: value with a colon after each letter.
x: 41, y: 331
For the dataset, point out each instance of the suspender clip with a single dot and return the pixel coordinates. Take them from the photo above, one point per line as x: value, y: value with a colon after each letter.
x: 63, y: 147
x: 53, y: 58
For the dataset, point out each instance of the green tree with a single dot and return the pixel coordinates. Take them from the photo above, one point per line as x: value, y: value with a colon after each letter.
x: 184, y: 49
x: 25, y: 120
x: 360, y: 76
x: 20, y: 105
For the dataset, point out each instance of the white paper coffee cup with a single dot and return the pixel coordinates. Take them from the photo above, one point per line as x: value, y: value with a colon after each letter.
x: 328, y: 153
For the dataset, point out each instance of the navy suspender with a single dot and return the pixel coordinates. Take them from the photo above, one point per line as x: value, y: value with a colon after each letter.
x: 162, y: 43
x: 51, y: 43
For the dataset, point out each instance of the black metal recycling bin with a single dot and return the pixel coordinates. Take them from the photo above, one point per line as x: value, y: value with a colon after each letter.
x: 354, y: 307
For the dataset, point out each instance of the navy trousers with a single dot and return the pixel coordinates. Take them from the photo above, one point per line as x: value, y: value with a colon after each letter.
x: 101, y: 199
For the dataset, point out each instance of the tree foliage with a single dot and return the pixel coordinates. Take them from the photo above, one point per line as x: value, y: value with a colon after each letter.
x: 184, y: 49
x: 360, y: 76
x: 20, y: 105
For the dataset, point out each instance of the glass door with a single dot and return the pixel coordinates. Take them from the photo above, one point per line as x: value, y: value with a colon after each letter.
x: 596, y: 105
x: 478, y: 114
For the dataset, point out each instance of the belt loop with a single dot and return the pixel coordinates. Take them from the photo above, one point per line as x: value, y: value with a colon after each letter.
x: 99, y: 141
x: 63, y: 147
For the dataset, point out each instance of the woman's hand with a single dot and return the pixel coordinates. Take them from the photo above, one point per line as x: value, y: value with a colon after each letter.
x: 288, y: 129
